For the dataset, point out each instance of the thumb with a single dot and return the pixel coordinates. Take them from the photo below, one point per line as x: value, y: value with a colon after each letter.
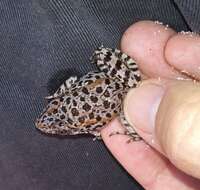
x: 167, y: 115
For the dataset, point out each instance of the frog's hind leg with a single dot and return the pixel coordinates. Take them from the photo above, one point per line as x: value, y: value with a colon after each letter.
x: 129, y: 130
x: 127, y: 69
x: 63, y: 88
x: 102, y: 57
x: 116, y: 64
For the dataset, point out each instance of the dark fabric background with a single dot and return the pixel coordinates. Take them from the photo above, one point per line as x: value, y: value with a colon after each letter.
x: 41, y: 44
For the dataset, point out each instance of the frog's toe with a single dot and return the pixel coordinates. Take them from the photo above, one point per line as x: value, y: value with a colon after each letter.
x: 132, y: 136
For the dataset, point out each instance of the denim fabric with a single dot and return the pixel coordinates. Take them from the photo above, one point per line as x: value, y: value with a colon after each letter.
x: 42, y: 43
x: 190, y: 11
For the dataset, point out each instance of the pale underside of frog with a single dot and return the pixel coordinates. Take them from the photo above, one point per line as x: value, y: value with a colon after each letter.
x: 85, y: 105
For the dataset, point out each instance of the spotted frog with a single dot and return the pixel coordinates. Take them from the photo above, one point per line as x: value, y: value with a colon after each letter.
x: 85, y: 105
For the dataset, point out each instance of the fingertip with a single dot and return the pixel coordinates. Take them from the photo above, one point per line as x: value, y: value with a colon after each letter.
x: 142, y: 162
x: 182, y: 52
x: 145, y: 42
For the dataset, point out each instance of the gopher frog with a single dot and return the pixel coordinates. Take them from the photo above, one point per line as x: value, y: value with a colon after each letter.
x: 85, y: 105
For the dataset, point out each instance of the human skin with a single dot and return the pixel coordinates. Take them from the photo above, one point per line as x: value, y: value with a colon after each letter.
x: 164, y: 109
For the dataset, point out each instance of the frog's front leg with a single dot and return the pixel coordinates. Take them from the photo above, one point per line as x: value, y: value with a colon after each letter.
x: 63, y: 88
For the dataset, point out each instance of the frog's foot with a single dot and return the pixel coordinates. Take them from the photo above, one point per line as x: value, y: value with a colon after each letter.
x: 132, y: 136
x: 63, y: 88
x: 129, y: 129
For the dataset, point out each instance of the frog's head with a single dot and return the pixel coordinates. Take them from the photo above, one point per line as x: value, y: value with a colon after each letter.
x: 53, y: 119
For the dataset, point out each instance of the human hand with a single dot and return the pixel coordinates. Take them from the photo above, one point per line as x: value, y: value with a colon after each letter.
x: 164, y: 111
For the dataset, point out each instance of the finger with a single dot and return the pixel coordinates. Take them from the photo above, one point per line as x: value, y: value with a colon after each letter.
x: 167, y: 115
x: 145, y: 41
x: 146, y: 165
x: 182, y: 52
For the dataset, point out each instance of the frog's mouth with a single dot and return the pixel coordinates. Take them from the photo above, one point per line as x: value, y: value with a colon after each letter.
x: 46, y: 126
x: 55, y: 128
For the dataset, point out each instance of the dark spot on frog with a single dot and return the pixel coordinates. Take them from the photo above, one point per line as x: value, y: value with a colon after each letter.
x: 44, y: 116
x: 108, y: 115
x: 98, y: 126
x: 127, y: 58
x: 81, y: 119
x: 104, y: 123
x: 118, y: 64
x: 109, y: 54
x: 60, y: 124
x: 61, y: 99
x: 138, y: 78
x: 55, y: 111
x: 49, y: 113
x: 75, y: 94
x: 113, y: 72
x: 74, y: 112
x: 91, y: 115
x: 107, y: 58
x: 127, y: 73
x: 106, y: 104
x: 74, y: 103
x: 115, y: 111
x: 85, y: 90
x: 54, y: 102
x: 119, y: 55
x: 63, y: 108
x: 106, y: 93
x: 86, y: 107
x: 113, y: 106
x: 98, y: 118
x: 68, y: 100
x: 82, y: 99
x: 94, y: 99
x: 89, y: 81
x: 97, y: 76
x: 107, y: 81
x: 57, y: 120
x: 62, y: 117
x: 120, y: 96
x: 50, y: 119
x: 117, y: 86
x: 70, y: 121
x: 99, y: 90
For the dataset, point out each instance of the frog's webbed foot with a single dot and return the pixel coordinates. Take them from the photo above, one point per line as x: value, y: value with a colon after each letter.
x: 63, y: 88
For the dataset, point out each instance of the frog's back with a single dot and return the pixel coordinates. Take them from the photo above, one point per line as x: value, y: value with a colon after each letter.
x: 96, y: 104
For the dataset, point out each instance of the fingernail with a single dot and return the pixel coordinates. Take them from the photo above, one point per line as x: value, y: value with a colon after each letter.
x: 141, y: 105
